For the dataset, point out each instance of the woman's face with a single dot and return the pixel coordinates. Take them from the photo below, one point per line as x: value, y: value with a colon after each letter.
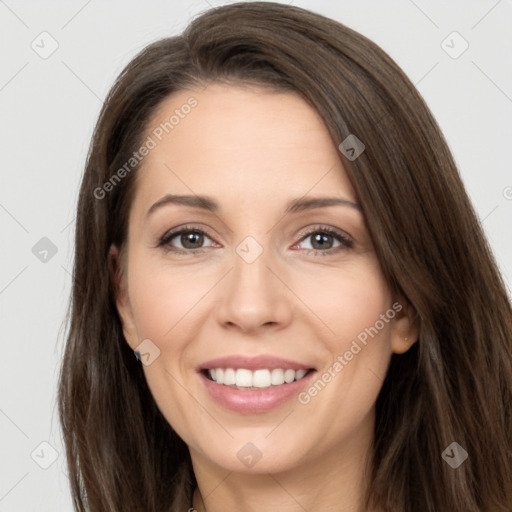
x: 257, y: 282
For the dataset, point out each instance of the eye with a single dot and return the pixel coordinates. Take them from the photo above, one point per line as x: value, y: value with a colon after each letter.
x: 324, y: 240
x: 190, y: 240
x: 185, y: 240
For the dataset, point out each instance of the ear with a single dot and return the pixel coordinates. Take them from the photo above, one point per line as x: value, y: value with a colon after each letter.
x: 120, y: 289
x: 405, y: 329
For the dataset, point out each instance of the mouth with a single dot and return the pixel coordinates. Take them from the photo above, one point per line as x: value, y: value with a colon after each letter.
x: 246, y: 380
x: 250, y: 385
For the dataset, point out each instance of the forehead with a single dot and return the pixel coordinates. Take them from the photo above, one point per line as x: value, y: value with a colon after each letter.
x: 242, y: 145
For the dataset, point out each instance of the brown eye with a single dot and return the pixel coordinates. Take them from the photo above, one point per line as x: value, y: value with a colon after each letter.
x: 191, y: 239
x: 322, y: 241
x: 326, y: 241
x: 185, y: 240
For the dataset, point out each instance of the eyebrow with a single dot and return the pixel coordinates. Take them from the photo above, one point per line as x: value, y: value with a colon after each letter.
x: 294, y: 206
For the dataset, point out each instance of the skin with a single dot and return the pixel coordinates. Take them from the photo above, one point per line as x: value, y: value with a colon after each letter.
x: 252, y: 151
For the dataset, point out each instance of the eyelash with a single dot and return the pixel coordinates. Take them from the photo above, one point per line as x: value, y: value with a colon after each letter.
x: 345, y: 241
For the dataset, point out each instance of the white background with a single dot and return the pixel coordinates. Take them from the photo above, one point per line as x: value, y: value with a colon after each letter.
x: 48, y: 110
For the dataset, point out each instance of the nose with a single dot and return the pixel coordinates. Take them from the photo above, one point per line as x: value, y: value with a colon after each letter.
x: 252, y: 298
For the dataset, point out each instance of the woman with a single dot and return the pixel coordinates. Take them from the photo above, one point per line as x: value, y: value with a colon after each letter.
x: 271, y: 221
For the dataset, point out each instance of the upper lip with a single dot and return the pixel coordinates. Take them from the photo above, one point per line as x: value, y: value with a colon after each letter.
x: 253, y: 363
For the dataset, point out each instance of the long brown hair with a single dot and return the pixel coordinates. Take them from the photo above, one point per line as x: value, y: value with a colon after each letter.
x: 453, y: 385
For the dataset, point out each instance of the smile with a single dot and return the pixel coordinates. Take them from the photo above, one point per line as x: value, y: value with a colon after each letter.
x: 250, y: 385
x: 244, y: 379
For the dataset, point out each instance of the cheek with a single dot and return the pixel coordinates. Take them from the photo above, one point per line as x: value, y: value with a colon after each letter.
x: 163, y: 299
x: 347, y: 387
x: 166, y: 303
x: 163, y: 302
x: 351, y: 302
x: 347, y: 300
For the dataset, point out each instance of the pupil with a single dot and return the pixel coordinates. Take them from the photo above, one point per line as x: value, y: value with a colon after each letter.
x: 317, y: 239
x: 192, y: 240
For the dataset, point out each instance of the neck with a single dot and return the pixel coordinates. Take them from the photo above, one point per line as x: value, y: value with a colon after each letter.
x: 334, y: 481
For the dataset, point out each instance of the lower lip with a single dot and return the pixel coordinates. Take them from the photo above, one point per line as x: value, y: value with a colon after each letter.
x: 254, y: 401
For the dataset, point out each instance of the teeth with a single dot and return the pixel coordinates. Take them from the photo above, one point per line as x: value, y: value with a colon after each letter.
x: 261, y: 378
x: 258, y: 379
x: 229, y: 377
x: 289, y: 376
x: 277, y: 377
x: 243, y: 378
x: 299, y: 374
